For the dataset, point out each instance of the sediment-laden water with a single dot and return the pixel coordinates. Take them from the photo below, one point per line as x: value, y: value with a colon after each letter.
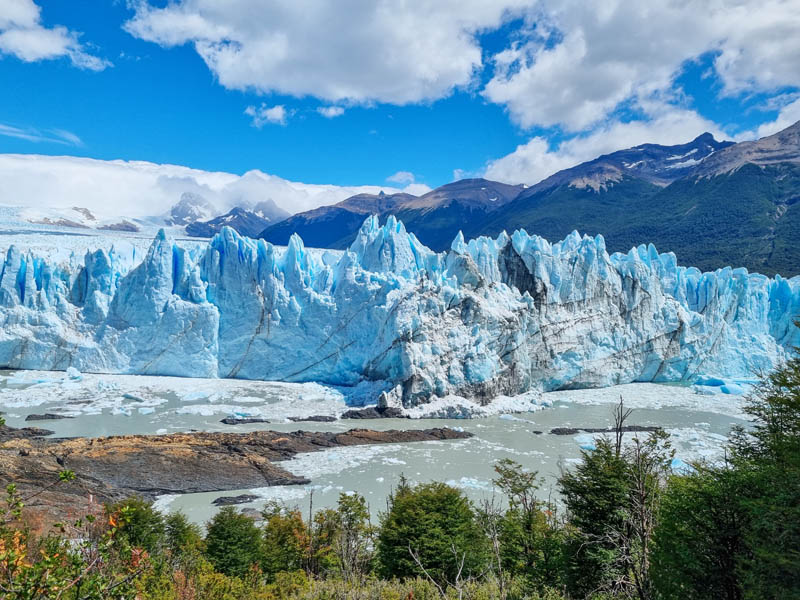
x: 698, y: 421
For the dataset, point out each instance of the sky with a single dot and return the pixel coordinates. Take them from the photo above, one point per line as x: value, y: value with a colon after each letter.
x: 386, y: 93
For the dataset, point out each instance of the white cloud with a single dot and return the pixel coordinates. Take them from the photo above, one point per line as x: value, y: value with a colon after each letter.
x: 55, y: 136
x: 361, y: 51
x: 533, y: 161
x: 23, y: 35
x: 139, y: 189
x: 402, y: 177
x: 330, y: 112
x: 416, y: 189
x: 267, y: 114
x: 582, y: 60
x: 787, y: 116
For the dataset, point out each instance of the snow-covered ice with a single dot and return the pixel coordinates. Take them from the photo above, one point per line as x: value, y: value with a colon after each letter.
x: 654, y: 396
x: 77, y: 394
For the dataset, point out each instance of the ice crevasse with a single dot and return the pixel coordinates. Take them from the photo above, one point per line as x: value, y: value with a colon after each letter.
x: 489, y: 317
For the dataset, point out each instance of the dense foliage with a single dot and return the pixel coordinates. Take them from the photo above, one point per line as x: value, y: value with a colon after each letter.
x: 629, y: 528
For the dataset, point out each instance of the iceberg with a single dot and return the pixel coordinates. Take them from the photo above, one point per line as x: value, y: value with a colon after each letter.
x: 490, y: 317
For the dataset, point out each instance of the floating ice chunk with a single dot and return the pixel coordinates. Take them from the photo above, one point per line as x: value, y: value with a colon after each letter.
x: 710, y: 381
x: 471, y: 483
x: 194, y: 396
x: 732, y: 388
x: 250, y: 400
x: 73, y: 373
x: 586, y: 442
x: 679, y: 466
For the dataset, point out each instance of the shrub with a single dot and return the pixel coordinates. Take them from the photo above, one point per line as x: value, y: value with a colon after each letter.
x: 233, y: 542
x: 431, y: 530
x: 140, y: 526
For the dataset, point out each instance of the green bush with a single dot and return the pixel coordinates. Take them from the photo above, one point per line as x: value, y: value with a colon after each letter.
x: 233, y: 542
x: 531, y: 538
x: 431, y: 529
x: 140, y: 526
x: 286, y: 541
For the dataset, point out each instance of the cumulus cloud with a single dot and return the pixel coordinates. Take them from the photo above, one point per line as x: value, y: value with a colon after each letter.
x: 533, y: 161
x: 140, y: 189
x: 402, y: 177
x: 582, y: 60
x: 360, y: 50
x: 788, y: 115
x: 330, y: 112
x: 23, y: 35
x: 54, y: 136
x: 267, y: 114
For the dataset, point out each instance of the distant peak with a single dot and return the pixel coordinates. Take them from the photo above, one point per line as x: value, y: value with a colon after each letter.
x: 704, y: 137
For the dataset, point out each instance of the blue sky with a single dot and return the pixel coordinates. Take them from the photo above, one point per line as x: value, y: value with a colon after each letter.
x: 513, y: 90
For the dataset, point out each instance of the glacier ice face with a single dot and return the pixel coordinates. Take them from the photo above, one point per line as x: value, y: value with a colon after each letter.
x: 489, y: 317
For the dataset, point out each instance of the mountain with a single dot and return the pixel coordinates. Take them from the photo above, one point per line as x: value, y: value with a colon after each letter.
x: 189, y: 209
x: 436, y: 217
x: 470, y: 205
x: 267, y: 209
x: 737, y: 206
x: 712, y: 203
x: 501, y: 316
x: 652, y: 163
x: 334, y: 226
x: 780, y: 148
x: 246, y: 222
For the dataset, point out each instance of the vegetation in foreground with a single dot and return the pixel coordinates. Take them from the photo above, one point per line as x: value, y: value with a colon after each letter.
x: 629, y: 528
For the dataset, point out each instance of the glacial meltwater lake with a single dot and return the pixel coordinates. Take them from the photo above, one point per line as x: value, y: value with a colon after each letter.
x: 698, y: 420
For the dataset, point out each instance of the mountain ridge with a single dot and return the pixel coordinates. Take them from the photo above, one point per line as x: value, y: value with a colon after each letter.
x: 670, y: 196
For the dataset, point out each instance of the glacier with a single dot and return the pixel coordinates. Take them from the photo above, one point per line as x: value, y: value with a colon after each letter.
x: 492, y: 317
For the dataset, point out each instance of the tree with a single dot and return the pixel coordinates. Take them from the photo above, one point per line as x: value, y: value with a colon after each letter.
x: 767, y: 460
x: 733, y: 530
x: 698, y: 541
x: 233, y: 542
x: 430, y: 530
x: 286, y: 544
x: 648, y: 467
x: 354, y: 536
x: 182, y: 538
x: 531, y: 541
x: 140, y: 526
x: 613, y: 497
x: 595, y: 494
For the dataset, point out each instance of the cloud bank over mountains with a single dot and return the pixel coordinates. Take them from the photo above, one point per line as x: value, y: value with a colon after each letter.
x: 140, y: 189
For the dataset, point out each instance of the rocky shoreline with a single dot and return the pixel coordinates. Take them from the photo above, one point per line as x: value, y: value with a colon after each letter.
x: 108, y: 469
